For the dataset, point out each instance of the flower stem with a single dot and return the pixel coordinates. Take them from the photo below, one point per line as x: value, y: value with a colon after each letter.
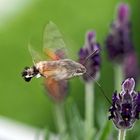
x: 122, y: 134
x: 89, y: 110
x: 60, y: 117
x: 119, y: 77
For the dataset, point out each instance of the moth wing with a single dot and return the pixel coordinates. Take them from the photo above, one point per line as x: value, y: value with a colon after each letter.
x: 53, y: 43
x: 55, y: 55
x: 56, y: 89
x: 36, y: 57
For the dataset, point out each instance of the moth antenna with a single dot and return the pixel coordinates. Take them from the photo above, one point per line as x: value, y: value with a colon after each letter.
x: 101, y: 89
x: 92, y: 54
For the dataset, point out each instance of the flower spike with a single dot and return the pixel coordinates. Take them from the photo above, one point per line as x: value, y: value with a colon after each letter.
x: 125, y: 107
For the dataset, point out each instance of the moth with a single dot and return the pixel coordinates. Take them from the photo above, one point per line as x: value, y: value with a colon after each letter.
x: 59, y: 67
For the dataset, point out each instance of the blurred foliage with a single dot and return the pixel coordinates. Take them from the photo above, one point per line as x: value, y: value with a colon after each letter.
x: 27, y: 102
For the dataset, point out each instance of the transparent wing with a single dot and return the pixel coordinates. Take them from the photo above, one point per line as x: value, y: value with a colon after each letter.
x: 36, y: 57
x: 53, y: 42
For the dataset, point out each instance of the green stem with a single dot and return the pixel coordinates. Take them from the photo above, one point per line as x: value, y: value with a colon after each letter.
x: 119, y: 77
x: 60, y: 117
x: 89, y: 110
x: 122, y: 134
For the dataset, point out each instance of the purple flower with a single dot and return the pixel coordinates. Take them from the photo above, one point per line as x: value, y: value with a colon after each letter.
x: 130, y: 66
x: 123, y: 13
x: 119, y: 40
x: 125, y: 107
x: 91, y: 62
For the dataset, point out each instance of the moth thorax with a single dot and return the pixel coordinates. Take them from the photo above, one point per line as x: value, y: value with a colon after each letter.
x: 29, y: 72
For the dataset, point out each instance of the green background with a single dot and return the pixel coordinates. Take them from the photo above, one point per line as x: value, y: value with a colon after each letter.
x: 27, y: 102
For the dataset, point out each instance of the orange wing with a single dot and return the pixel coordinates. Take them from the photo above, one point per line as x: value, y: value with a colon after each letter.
x: 51, y: 54
x: 53, y: 43
x: 55, y: 48
x: 57, y: 90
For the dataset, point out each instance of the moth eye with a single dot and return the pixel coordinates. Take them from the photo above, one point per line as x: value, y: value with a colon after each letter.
x: 78, y: 71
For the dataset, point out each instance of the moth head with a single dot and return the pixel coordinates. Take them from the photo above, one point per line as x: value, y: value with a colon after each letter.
x: 80, y: 69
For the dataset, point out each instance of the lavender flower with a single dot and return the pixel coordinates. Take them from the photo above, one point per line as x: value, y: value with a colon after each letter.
x: 125, y: 107
x: 119, y: 40
x: 93, y: 62
x: 130, y: 66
